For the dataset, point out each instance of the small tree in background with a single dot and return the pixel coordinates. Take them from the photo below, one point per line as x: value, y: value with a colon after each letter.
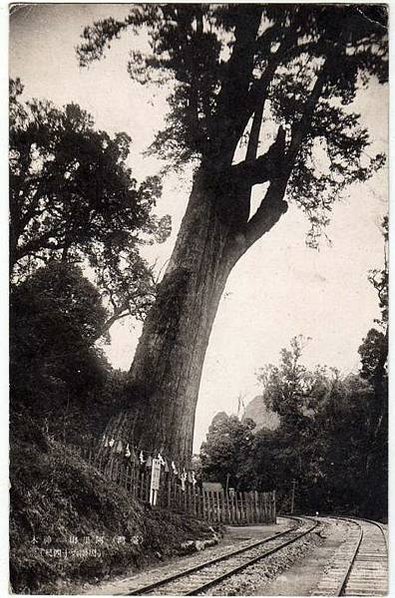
x: 225, y: 454
x: 327, y: 441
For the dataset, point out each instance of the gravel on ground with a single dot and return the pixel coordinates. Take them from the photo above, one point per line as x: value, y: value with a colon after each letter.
x: 305, y: 574
x: 257, y: 579
x: 235, y: 537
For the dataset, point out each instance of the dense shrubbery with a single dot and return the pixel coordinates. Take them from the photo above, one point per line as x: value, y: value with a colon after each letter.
x: 57, y: 374
x: 55, y: 494
x: 63, y: 389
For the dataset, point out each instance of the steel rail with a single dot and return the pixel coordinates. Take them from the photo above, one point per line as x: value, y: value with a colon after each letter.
x: 381, y: 528
x: 371, y: 522
x: 213, y: 561
x: 161, y: 582
x: 235, y: 570
x: 342, y: 585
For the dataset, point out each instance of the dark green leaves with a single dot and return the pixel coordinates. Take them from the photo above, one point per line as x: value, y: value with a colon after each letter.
x: 73, y: 198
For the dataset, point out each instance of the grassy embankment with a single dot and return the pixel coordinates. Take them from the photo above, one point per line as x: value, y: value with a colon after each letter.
x: 55, y: 497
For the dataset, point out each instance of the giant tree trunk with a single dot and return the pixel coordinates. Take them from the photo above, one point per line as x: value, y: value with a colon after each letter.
x: 216, y: 230
x: 165, y: 375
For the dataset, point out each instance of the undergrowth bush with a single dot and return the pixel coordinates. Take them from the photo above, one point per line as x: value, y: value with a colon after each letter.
x: 56, y: 498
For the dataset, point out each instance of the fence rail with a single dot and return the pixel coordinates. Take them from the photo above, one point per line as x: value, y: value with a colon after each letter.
x: 183, y: 496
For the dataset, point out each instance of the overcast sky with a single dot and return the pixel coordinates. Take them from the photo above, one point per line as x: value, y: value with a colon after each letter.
x: 280, y: 288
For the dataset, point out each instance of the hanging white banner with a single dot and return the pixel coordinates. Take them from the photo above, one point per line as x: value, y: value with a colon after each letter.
x: 155, y: 480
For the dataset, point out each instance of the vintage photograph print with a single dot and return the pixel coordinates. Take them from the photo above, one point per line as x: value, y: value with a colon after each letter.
x: 198, y: 299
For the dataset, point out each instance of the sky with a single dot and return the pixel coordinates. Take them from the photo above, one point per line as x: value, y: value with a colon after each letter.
x: 280, y: 288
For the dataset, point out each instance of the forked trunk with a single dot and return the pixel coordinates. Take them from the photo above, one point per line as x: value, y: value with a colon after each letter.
x: 165, y: 374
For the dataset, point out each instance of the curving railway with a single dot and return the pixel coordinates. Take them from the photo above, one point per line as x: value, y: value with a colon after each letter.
x: 203, y: 577
x: 358, y: 567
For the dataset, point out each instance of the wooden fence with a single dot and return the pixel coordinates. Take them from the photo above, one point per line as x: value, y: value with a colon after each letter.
x: 237, y: 508
x: 182, y: 495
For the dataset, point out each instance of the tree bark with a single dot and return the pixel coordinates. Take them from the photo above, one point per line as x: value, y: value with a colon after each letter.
x: 165, y: 375
x: 215, y: 232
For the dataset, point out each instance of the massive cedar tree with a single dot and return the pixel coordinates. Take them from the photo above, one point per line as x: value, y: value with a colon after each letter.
x: 283, y: 74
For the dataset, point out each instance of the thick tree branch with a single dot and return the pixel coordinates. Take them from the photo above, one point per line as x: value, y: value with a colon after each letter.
x: 245, y: 185
x: 253, y: 141
x: 264, y: 168
x: 258, y: 93
x: 34, y: 245
x: 273, y: 205
x: 114, y: 318
x: 136, y: 310
x: 31, y: 205
x: 267, y: 215
x: 300, y: 129
x: 234, y: 91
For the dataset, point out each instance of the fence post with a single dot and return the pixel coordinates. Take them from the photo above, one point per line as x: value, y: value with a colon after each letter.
x: 249, y: 508
x: 185, y: 501
x: 142, y: 486
x: 242, y: 511
x: 207, y: 501
x: 246, y: 503
x: 227, y: 509
x: 238, y: 511
x: 264, y: 507
x: 194, y: 500
x: 258, y: 512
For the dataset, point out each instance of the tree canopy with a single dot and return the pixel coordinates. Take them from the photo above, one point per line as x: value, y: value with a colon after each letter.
x: 73, y: 198
x: 294, y: 69
x: 258, y: 95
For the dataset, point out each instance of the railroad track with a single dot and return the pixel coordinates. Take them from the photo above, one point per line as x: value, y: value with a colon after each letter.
x: 360, y: 565
x: 200, y: 578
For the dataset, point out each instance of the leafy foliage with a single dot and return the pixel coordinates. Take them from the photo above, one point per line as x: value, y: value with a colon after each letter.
x: 373, y: 352
x: 55, y: 371
x: 379, y: 279
x: 327, y: 441
x: 55, y: 496
x: 73, y: 198
x: 299, y: 65
x: 290, y: 389
x: 224, y: 454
